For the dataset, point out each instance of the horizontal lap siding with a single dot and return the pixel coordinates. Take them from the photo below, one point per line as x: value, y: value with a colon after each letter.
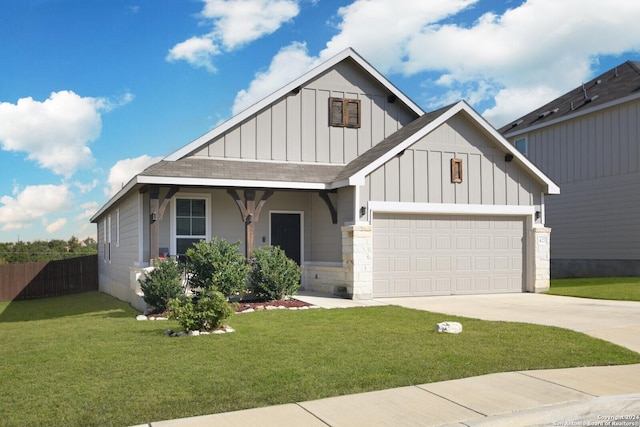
x: 596, y: 219
x: 595, y: 159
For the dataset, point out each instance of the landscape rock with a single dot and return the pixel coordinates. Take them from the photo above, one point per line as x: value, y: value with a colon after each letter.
x: 449, y: 327
x: 141, y: 317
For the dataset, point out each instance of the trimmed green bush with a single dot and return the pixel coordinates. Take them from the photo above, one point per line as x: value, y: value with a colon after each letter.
x: 273, y: 275
x: 205, y: 312
x: 217, y: 265
x: 162, y: 284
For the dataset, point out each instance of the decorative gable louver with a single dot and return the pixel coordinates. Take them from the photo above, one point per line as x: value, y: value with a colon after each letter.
x: 344, y: 112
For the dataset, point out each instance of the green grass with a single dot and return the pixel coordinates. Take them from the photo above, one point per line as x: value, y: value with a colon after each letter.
x: 84, y: 360
x: 612, y: 288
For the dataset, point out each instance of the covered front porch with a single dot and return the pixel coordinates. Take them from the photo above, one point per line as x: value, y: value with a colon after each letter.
x: 316, y: 228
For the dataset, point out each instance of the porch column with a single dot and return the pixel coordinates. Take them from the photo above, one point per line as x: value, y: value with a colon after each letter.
x: 357, y: 260
x: 156, y: 213
x: 250, y: 213
x: 154, y: 223
x: 541, y: 259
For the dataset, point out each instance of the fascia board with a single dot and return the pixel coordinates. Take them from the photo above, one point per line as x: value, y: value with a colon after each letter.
x: 124, y: 190
x: 255, y: 108
x: 573, y: 116
x: 203, y: 182
x: 552, y: 187
x: 362, y: 173
x: 447, y: 208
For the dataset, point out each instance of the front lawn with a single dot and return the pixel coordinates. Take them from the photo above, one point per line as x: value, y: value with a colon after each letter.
x: 612, y: 288
x: 84, y: 360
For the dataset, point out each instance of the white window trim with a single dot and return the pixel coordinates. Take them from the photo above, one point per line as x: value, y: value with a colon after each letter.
x: 301, y: 213
x: 208, y: 218
x: 108, y: 245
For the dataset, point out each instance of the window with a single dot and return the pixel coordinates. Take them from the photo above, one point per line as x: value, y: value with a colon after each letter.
x: 456, y: 170
x: 521, y: 145
x: 117, y: 228
x: 191, y: 223
x: 107, y: 245
x: 344, y: 112
x: 104, y: 240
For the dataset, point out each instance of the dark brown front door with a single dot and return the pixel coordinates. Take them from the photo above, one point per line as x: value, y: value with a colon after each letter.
x: 285, y: 232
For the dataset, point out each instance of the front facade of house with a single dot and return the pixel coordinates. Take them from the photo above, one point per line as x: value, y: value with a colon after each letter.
x: 588, y: 142
x: 370, y: 195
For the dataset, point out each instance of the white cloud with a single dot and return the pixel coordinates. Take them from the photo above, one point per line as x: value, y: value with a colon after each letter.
x: 56, y: 225
x: 288, y: 64
x: 197, y: 51
x: 32, y: 203
x: 56, y: 132
x: 510, y: 62
x: 85, y: 188
x: 90, y: 208
x: 126, y: 169
x: 235, y: 23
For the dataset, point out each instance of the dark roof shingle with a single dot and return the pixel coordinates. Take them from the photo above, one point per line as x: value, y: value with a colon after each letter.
x: 617, y: 83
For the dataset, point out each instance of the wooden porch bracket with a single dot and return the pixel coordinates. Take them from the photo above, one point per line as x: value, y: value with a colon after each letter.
x: 250, y: 213
x: 324, y: 195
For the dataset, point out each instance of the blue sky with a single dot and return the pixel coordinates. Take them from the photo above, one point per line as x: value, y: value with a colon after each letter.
x: 93, y: 91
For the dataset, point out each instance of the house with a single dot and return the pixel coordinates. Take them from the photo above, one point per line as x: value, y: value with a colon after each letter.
x: 588, y: 142
x: 370, y: 195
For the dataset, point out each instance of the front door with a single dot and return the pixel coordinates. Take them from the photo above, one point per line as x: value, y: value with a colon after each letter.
x: 285, y: 232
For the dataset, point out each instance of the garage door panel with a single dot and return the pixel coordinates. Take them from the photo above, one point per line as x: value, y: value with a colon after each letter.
x: 402, y: 242
x: 402, y: 265
x: 420, y: 254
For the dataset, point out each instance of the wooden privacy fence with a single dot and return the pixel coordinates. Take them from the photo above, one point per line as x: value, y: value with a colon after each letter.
x: 48, y: 278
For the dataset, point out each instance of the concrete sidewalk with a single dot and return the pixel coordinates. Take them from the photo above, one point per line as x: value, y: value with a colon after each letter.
x: 575, y: 396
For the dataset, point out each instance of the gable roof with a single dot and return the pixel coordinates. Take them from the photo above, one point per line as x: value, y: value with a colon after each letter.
x: 285, y: 90
x: 356, y: 171
x: 618, y: 85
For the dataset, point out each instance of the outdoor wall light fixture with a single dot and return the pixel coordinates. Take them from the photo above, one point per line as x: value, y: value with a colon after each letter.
x: 363, y: 210
x: 154, y: 216
x: 537, y: 215
x: 508, y: 157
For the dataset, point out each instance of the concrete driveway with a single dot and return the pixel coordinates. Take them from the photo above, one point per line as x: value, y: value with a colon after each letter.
x: 614, y: 321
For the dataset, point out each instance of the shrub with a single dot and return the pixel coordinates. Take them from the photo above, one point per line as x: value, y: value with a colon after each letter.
x: 162, y: 284
x: 273, y: 275
x: 202, y: 313
x: 217, y: 265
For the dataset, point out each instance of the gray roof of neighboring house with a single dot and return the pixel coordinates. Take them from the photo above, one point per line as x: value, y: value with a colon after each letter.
x: 618, y: 83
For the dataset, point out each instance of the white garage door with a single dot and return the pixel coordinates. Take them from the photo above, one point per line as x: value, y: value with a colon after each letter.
x: 446, y: 254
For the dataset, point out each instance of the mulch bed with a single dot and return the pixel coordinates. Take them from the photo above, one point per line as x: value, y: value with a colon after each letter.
x: 262, y: 305
x: 241, y: 306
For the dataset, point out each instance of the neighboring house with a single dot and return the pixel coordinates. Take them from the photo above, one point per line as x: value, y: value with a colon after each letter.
x: 370, y: 195
x: 587, y: 141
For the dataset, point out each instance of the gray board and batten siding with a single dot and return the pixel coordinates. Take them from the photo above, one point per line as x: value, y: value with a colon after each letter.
x: 295, y: 128
x: 421, y: 174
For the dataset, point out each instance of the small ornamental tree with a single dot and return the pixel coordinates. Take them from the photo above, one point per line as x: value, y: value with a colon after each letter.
x: 162, y: 284
x: 217, y: 265
x: 273, y: 275
x: 204, y: 313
